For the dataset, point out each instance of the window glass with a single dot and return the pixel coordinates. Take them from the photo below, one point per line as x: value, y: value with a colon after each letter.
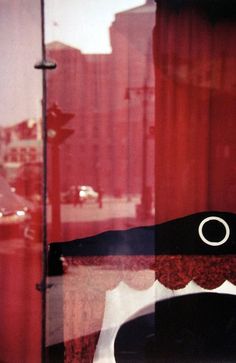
x: 100, y: 117
x: 141, y: 181
x: 20, y: 181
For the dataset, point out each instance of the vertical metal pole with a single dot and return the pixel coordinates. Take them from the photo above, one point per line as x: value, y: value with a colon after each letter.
x: 44, y: 191
x: 42, y: 286
x: 55, y: 195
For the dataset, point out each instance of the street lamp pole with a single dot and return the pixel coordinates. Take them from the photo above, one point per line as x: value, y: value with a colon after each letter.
x: 144, y: 209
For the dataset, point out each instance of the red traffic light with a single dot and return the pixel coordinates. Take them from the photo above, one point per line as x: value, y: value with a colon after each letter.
x: 58, y: 137
x: 56, y: 119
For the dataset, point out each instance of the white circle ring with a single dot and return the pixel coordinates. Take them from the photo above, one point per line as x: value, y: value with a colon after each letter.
x: 212, y: 243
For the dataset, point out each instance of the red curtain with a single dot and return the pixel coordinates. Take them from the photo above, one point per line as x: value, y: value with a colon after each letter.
x: 195, y: 110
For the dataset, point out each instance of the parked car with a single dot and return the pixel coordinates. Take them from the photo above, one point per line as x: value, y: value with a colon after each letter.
x: 79, y: 194
x: 14, y: 210
x: 86, y: 192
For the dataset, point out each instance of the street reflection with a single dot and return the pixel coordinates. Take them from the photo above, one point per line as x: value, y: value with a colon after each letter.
x: 101, y: 144
x: 100, y: 129
x: 21, y: 183
x: 100, y: 173
x: 21, y: 170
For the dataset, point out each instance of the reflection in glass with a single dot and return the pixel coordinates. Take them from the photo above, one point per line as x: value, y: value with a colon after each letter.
x: 100, y: 149
x: 109, y: 151
x: 20, y: 181
x: 107, y: 142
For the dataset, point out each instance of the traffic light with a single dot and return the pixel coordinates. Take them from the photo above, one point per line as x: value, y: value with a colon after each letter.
x: 56, y: 119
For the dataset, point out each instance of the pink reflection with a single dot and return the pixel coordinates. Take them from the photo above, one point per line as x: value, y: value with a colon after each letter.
x: 20, y: 181
x: 107, y: 144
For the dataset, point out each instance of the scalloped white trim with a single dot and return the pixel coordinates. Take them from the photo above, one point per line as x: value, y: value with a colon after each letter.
x: 124, y: 303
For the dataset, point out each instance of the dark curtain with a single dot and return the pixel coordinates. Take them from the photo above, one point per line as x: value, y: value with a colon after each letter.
x: 195, y: 64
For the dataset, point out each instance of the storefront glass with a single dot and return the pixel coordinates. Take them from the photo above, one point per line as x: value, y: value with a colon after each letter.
x: 117, y: 181
x: 101, y: 152
x: 141, y: 181
x: 21, y: 181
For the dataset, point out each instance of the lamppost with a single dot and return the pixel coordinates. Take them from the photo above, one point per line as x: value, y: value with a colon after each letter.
x: 144, y: 92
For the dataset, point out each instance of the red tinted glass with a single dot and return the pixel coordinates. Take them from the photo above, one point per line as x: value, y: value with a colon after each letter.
x: 140, y: 147
x: 21, y: 173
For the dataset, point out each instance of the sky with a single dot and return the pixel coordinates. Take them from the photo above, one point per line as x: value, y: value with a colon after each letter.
x: 84, y: 24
